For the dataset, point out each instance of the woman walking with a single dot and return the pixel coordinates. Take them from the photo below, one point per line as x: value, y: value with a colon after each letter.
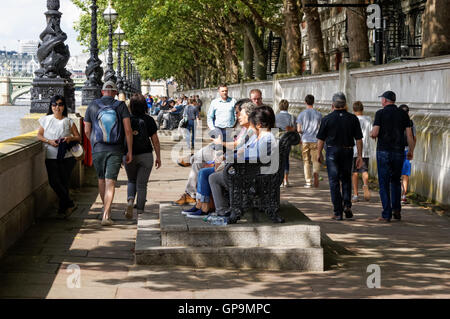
x: 58, y: 133
x: 145, y: 140
x: 285, y: 122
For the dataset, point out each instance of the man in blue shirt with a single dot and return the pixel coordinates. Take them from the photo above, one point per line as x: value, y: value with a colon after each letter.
x: 308, y: 123
x: 221, y: 113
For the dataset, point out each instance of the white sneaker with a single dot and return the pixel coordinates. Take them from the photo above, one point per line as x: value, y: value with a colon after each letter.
x: 355, y: 198
x: 308, y: 185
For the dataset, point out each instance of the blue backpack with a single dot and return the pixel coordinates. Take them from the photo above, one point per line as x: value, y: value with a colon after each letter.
x: 108, y: 125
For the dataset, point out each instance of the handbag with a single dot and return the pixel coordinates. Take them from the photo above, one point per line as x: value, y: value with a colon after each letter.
x: 77, y: 151
x: 183, y: 122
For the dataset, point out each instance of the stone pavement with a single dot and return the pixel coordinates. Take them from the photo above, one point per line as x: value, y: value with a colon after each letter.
x: 413, y: 254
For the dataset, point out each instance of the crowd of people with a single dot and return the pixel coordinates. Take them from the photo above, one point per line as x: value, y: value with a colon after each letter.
x: 245, y: 129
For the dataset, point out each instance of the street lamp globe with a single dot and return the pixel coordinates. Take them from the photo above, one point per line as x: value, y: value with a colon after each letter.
x: 119, y: 32
x: 125, y: 44
x: 110, y: 15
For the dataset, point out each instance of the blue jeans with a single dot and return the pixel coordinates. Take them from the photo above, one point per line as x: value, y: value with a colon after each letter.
x: 389, y: 174
x: 190, y: 133
x: 155, y: 111
x: 203, y: 187
x: 339, y: 165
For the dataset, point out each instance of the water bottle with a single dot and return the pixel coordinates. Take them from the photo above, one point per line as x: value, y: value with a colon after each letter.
x: 219, y: 221
x: 216, y: 220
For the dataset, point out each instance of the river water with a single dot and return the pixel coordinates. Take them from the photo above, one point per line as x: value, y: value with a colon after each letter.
x: 10, y: 116
x: 10, y: 119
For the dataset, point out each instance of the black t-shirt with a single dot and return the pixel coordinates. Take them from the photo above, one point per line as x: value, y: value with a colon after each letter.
x: 151, y: 129
x: 340, y: 128
x: 392, y: 122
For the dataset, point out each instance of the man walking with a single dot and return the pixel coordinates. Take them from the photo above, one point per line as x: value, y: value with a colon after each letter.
x: 221, y: 113
x: 389, y: 127
x: 339, y: 130
x: 106, y: 124
x: 366, y: 125
x: 308, y: 123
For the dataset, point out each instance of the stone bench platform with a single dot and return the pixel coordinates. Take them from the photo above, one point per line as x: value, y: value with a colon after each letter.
x: 169, y: 238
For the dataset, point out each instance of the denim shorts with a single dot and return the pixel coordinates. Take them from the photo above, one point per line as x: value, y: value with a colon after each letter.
x: 107, y: 164
x: 406, y: 169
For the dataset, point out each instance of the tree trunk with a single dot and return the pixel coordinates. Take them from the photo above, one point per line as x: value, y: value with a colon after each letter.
x: 234, y: 61
x: 293, y: 36
x: 259, y: 51
x: 248, y: 58
x: 436, y: 28
x: 358, y: 41
x: 316, y: 51
x: 282, y: 63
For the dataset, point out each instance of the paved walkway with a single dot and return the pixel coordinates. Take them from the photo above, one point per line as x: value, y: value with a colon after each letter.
x: 413, y: 254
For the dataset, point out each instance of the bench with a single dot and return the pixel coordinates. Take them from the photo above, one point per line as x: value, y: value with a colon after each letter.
x: 249, y: 189
x: 174, y: 120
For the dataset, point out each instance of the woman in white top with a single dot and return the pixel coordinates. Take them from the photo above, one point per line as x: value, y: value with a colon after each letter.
x: 285, y: 122
x: 55, y: 130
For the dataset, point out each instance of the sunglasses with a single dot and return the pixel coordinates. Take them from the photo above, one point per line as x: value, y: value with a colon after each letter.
x: 58, y: 104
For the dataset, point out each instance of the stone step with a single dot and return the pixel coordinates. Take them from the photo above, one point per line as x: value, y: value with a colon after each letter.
x: 150, y: 251
x: 178, y: 230
x: 268, y: 258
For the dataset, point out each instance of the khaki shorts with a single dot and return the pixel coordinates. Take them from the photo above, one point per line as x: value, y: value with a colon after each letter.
x: 107, y: 164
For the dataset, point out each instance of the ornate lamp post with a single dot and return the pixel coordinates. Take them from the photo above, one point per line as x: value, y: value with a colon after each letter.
x: 119, y: 33
x: 110, y: 15
x: 130, y: 75
x: 52, y: 77
x: 125, y: 46
x: 94, y: 72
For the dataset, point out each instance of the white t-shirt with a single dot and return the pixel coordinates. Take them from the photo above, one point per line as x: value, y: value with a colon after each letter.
x: 53, y: 130
x: 366, y: 127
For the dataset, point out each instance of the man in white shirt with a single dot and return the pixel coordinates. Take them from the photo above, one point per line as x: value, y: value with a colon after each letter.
x: 221, y: 113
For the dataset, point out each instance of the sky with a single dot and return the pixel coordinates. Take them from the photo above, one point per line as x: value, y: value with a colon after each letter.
x: 25, y: 20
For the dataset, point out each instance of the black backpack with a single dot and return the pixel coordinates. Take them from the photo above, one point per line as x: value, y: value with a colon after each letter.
x: 141, y: 140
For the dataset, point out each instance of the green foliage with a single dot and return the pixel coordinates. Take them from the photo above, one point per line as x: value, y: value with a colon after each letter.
x: 181, y: 37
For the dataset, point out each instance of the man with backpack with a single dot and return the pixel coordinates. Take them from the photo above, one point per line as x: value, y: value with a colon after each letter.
x: 107, y: 125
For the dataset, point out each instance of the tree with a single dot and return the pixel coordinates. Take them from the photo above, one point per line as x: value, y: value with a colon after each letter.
x: 358, y: 41
x: 248, y: 58
x: 189, y: 40
x: 293, y: 36
x: 436, y: 28
x: 316, y: 51
x: 283, y: 18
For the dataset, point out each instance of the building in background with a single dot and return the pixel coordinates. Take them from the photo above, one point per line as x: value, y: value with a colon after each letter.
x: 28, y: 46
x: 402, y: 37
x: 13, y: 63
x: 77, y: 65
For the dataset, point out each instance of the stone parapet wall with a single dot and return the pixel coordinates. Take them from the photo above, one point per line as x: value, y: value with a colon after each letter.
x: 424, y: 85
x: 25, y: 194
x: 24, y: 191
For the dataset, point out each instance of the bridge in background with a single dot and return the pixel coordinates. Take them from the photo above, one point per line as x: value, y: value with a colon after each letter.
x: 11, y: 88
